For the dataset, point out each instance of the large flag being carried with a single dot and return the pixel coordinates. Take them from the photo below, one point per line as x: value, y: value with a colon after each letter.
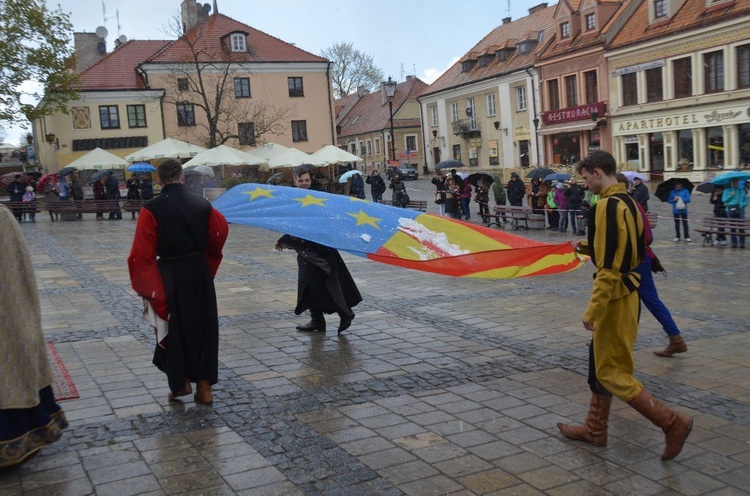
x: 393, y: 235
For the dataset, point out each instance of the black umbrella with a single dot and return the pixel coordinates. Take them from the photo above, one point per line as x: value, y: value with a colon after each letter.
x: 98, y: 175
x: 65, y: 171
x: 479, y: 176
x: 663, y: 190
x: 449, y: 164
x: 539, y: 173
x: 706, y: 187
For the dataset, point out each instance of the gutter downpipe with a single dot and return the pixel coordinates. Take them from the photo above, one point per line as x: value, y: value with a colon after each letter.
x: 330, y: 105
x: 536, y: 135
x: 425, y: 168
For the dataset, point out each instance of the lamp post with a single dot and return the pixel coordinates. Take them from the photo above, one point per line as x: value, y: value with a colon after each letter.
x: 390, y: 91
x: 536, y: 139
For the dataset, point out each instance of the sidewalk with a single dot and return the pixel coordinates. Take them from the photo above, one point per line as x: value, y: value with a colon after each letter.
x: 441, y: 386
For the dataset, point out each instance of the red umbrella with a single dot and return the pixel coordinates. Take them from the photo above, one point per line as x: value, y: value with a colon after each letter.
x: 6, y: 179
x: 43, y: 180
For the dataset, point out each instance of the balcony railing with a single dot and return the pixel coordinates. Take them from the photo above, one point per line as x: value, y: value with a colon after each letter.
x: 467, y: 128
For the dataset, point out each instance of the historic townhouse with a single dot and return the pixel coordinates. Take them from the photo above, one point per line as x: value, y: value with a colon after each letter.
x: 484, y: 109
x: 364, y: 125
x: 221, y: 81
x: 679, y: 74
x: 573, y: 78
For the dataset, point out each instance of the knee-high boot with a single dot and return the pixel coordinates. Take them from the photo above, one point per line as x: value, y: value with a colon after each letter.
x: 594, y: 428
x: 317, y: 322
x: 676, y: 426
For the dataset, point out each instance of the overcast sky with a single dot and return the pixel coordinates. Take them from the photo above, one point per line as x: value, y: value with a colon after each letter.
x: 422, y: 37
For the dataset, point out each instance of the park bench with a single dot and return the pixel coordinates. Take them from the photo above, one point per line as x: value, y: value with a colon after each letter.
x: 418, y: 205
x: 134, y: 205
x: 713, y: 226
x: 18, y: 207
x: 518, y: 216
x: 68, y: 209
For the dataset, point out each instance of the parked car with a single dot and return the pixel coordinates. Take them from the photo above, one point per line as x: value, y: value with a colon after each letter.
x: 406, y: 171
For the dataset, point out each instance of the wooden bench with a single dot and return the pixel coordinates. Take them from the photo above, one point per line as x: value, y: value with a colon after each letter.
x: 87, y: 206
x: 713, y: 226
x: 418, y: 205
x: 518, y: 216
x: 134, y: 205
x: 18, y: 207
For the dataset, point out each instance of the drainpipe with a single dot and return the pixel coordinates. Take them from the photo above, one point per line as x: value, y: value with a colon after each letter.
x: 330, y: 104
x: 425, y: 169
x: 536, y: 135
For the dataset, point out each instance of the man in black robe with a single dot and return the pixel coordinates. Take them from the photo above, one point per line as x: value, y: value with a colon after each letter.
x: 175, y: 255
x: 324, y: 284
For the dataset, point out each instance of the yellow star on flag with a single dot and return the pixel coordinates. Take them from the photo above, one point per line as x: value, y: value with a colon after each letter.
x: 311, y: 200
x: 363, y: 218
x: 259, y: 192
x: 355, y: 199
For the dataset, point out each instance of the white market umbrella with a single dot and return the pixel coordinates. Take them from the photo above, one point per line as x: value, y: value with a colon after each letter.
x: 268, y: 150
x: 331, y: 154
x: 98, y: 159
x: 224, y: 155
x: 168, y: 148
x: 293, y: 158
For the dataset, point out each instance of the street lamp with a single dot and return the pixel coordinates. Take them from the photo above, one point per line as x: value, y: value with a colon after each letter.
x: 536, y: 138
x: 390, y: 91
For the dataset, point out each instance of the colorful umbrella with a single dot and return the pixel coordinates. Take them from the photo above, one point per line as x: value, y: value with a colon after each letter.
x: 44, y: 180
x: 393, y: 235
x: 141, y: 167
x: 728, y: 177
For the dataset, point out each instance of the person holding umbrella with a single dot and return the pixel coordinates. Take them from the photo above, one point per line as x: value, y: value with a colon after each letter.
x: 134, y: 190
x: 679, y: 197
x: 720, y: 212
x: 735, y: 199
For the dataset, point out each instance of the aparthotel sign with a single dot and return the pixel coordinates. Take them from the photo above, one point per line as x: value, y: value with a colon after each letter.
x: 683, y: 120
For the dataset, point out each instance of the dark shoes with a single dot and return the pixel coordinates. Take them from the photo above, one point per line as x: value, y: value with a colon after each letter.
x: 317, y: 323
x: 186, y: 390
x: 346, y: 321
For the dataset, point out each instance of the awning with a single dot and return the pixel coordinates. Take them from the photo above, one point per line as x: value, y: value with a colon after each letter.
x: 567, y: 128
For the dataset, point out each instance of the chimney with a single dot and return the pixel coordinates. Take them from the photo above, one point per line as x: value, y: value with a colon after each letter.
x: 534, y: 10
x: 409, y: 78
x: 89, y: 49
x: 193, y: 13
x: 361, y: 91
x: 506, y: 20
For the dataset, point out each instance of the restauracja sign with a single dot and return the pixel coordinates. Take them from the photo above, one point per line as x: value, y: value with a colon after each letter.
x: 582, y: 112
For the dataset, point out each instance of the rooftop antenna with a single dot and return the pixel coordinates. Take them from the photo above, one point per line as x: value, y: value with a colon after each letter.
x: 402, y: 71
x: 414, y: 69
x: 105, y: 18
x: 508, y: 8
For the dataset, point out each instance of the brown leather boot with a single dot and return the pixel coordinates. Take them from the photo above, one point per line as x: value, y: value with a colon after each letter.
x: 676, y: 345
x: 676, y: 426
x: 186, y: 390
x: 203, y: 393
x: 594, y: 428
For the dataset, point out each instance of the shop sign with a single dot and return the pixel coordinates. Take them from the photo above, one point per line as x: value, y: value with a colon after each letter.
x: 476, y: 142
x: 683, y: 120
x: 570, y: 114
x: 521, y: 133
x: 493, y: 149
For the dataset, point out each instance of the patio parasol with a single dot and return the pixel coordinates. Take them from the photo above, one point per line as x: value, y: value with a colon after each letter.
x: 663, y: 190
x: 167, y: 148
x: 98, y: 159
x: 539, y: 173
x: 449, y: 164
x: 331, y: 154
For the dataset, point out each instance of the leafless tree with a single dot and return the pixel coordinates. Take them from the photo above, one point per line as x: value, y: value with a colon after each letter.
x: 351, y: 69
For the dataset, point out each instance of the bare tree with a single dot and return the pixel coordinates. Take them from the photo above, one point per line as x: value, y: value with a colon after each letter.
x: 351, y: 69
x: 206, y: 79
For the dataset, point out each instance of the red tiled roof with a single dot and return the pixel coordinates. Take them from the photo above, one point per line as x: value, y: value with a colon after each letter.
x: 208, y: 35
x: 692, y: 15
x: 342, y: 102
x: 370, y: 113
x: 519, y: 29
x: 116, y: 71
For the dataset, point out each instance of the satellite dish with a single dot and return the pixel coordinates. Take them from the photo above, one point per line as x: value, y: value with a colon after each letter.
x: 206, y: 8
x: 123, y: 39
x: 101, y: 32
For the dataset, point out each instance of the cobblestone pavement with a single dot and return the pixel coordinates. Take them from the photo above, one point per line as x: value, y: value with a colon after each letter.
x: 441, y: 386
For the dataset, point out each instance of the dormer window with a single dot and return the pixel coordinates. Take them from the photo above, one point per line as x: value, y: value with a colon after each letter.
x: 590, y: 22
x: 660, y: 9
x: 526, y: 46
x: 466, y: 65
x: 238, y: 41
x: 485, y: 59
x: 565, y: 30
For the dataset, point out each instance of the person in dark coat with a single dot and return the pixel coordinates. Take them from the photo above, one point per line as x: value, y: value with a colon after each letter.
x: 134, y: 190
x: 575, y: 194
x: 100, y: 196
x: 377, y: 187
x: 516, y: 190
x: 357, y: 188
x: 15, y: 191
x: 76, y: 192
x: 113, y: 195
x: 324, y: 285
x: 176, y: 252
x: 399, y: 198
x: 147, y: 187
x: 640, y: 193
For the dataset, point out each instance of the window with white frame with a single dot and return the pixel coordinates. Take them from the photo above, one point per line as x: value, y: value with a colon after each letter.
x: 434, y: 114
x: 369, y: 147
x: 491, y: 104
x: 565, y: 30
x: 377, y: 146
x: 454, y: 112
x: 411, y: 143
x: 238, y: 42
x: 713, y: 71
x: 521, y: 98
x: 660, y: 9
x: 590, y: 22
x: 743, y: 66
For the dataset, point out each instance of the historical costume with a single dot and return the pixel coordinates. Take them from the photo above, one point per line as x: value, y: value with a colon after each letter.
x: 176, y: 252
x: 29, y: 416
